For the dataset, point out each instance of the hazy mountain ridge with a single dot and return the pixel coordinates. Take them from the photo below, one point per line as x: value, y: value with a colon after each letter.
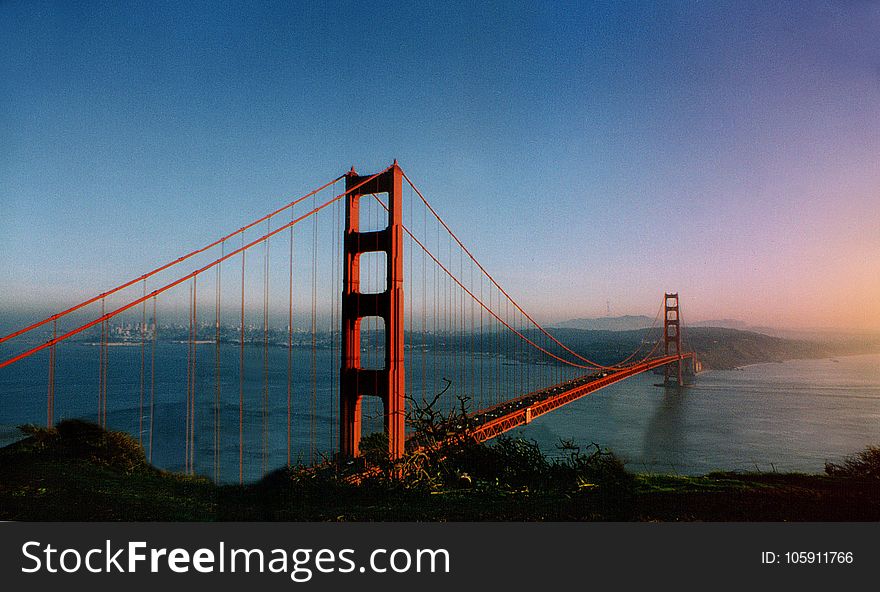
x: 717, y: 347
x: 622, y: 323
x: 635, y: 322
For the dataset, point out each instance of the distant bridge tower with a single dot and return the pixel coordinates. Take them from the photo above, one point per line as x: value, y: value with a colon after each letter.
x: 355, y: 382
x: 672, y: 335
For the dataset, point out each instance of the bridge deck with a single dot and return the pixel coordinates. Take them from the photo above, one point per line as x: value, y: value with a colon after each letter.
x: 496, y: 420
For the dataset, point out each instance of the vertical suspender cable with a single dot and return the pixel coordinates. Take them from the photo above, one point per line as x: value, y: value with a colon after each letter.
x: 217, y: 369
x: 50, y: 397
x: 188, y: 386
x: 241, y: 376
x: 312, y: 407
x: 143, y: 333
x: 289, y: 336
x: 528, y: 366
x: 335, y: 233
x: 482, y: 349
x: 450, y: 330
x: 101, y: 371
x: 447, y: 315
x: 410, y: 271
x: 103, y: 368
x: 465, y: 345
x: 472, y: 341
x: 192, y: 427
x: 500, y: 353
x: 461, y: 344
x: 337, y: 303
x: 266, y: 354
x: 192, y: 401
x: 508, y: 346
x: 515, y: 369
x: 424, y: 343
x: 427, y: 304
x: 332, y: 287
x: 331, y: 363
x: 153, y: 375
x: 436, y: 304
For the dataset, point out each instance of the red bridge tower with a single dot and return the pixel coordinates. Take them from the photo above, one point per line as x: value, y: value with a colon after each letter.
x: 672, y: 334
x: 355, y: 381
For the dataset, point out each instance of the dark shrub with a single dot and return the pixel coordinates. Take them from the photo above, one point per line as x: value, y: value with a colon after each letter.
x: 863, y: 465
x: 83, y: 440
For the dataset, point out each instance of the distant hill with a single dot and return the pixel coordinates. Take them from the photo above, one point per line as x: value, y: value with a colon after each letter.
x: 717, y: 347
x: 624, y: 323
x: 723, y: 348
x: 636, y: 322
x: 726, y: 324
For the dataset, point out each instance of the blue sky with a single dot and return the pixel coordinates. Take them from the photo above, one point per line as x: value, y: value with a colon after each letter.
x: 586, y: 152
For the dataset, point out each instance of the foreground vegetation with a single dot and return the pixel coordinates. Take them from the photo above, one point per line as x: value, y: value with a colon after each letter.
x: 78, y: 471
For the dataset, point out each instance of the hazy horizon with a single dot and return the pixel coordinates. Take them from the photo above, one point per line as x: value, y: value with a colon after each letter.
x: 12, y: 320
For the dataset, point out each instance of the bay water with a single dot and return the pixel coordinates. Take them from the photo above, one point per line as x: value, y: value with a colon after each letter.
x: 791, y: 416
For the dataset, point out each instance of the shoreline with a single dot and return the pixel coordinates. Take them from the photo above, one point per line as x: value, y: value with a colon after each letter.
x: 829, y: 358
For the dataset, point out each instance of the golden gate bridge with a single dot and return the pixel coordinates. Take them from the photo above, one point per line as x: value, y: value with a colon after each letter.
x: 332, y: 265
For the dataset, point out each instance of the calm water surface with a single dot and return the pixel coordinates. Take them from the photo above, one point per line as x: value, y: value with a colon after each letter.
x: 792, y: 416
